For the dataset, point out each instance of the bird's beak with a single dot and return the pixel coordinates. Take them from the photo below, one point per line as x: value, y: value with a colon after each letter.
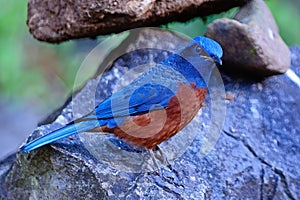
x: 218, y: 61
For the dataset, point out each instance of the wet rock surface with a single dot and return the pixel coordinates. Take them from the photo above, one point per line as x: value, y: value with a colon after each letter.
x: 256, y: 156
x: 251, y: 41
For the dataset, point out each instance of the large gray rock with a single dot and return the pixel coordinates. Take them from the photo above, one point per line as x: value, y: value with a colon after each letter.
x: 251, y: 41
x: 256, y: 157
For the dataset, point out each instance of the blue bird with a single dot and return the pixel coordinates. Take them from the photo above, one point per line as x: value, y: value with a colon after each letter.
x: 155, y: 106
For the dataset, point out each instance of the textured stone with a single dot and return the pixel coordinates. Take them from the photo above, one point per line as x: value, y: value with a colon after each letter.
x: 56, y: 21
x: 251, y: 41
x: 256, y: 157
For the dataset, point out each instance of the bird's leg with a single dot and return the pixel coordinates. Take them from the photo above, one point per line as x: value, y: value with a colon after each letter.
x: 165, y: 160
x: 154, y: 159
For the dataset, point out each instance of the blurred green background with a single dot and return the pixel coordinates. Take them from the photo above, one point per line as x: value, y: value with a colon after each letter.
x: 36, y: 77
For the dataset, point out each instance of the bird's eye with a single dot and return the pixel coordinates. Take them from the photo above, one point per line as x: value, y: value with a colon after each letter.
x: 198, y: 49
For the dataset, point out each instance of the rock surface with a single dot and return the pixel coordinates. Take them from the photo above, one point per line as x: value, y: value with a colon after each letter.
x: 57, y: 21
x: 256, y: 156
x: 251, y: 41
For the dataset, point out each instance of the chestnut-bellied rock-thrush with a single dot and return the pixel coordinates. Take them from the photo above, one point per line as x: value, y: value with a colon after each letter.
x: 155, y: 106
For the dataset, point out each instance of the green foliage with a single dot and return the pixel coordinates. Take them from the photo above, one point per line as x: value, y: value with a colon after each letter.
x: 10, y: 38
x: 287, y: 15
x: 31, y: 70
x: 197, y: 26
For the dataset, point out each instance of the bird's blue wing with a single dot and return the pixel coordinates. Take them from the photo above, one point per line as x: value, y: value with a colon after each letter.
x: 130, y: 101
x: 150, y: 91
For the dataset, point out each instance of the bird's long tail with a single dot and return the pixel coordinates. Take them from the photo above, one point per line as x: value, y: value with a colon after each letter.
x: 68, y: 130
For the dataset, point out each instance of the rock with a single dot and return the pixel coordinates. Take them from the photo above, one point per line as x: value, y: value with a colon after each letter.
x: 251, y: 41
x: 295, y: 59
x: 57, y: 21
x: 256, y: 156
x: 5, y: 166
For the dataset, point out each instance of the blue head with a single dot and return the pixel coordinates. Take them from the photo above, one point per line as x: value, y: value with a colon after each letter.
x: 191, y: 61
x: 212, y: 48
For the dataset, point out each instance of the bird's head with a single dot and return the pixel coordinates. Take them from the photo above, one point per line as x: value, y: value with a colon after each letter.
x: 212, y: 48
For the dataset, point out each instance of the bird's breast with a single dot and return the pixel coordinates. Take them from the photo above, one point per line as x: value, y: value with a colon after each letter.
x: 150, y: 129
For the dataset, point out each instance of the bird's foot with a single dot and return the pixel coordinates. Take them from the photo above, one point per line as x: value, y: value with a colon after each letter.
x: 160, y: 160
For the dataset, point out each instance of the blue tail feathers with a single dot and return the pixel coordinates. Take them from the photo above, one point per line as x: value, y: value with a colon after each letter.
x: 63, y: 132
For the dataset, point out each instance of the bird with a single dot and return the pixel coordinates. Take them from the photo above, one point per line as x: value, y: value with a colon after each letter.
x: 155, y: 106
